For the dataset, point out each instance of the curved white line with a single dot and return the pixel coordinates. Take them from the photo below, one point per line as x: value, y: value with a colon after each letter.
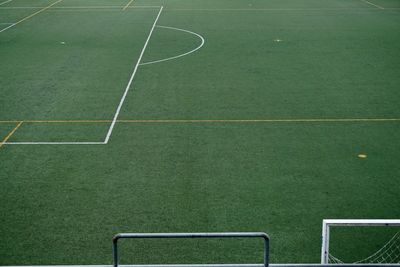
x: 181, y: 55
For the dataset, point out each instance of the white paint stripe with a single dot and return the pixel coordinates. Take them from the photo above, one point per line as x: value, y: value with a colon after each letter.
x: 131, y: 79
x: 6, y: 23
x: 6, y: 28
x: 372, y: 4
x: 8, y: 1
x: 54, y: 143
x: 78, y: 7
x: 182, y: 55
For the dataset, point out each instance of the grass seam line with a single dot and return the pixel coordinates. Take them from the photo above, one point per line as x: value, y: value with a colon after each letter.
x: 131, y: 79
x: 372, y: 4
x: 30, y: 16
x: 127, y: 5
x: 10, y: 134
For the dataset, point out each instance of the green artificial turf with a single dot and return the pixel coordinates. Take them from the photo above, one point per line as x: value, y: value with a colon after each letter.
x: 274, y: 65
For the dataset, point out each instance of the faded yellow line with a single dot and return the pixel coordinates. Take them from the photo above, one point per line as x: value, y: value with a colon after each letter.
x: 130, y: 2
x: 258, y: 121
x: 11, y: 133
x: 214, y: 121
x: 38, y: 12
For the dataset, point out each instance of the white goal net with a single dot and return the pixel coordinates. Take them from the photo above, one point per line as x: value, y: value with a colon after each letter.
x: 388, y: 252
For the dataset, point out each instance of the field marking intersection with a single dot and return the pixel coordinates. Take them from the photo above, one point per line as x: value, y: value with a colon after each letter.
x: 113, y: 122
x: 10, y: 134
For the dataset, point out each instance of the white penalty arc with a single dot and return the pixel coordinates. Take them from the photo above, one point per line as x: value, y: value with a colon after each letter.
x: 181, y: 55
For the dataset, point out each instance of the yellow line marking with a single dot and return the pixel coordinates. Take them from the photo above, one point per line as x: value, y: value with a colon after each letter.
x: 34, y: 14
x: 271, y: 9
x: 372, y: 4
x: 125, y: 7
x: 11, y: 133
x: 214, y: 121
x: 254, y: 121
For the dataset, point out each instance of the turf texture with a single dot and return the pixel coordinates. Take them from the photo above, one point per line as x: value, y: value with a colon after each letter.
x: 259, y: 130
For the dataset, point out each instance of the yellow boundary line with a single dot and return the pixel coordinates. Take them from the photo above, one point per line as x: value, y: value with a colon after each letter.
x: 10, y: 134
x: 127, y: 5
x: 210, y: 121
x: 34, y: 14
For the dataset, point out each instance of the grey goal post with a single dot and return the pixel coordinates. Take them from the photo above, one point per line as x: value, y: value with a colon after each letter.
x: 327, y: 223
x: 262, y: 235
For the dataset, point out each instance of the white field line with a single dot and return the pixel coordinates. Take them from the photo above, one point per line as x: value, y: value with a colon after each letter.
x: 30, y: 16
x: 8, y: 1
x: 78, y: 7
x: 54, y: 143
x: 181, y: 55
x: 6, y: 23
x: 6, y: 28
x: 131, y: 79
x: 372, y: 4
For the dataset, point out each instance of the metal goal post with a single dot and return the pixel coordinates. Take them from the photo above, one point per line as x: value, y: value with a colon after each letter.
x: 327, y: 223
x: 262, y: 235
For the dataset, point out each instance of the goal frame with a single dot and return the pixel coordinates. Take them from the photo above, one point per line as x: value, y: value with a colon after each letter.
x: 327, y: 223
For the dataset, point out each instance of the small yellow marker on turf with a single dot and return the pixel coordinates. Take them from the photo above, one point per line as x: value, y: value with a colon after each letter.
x: 278, y: 40
x: 63, y: 43
x: 362, y: 156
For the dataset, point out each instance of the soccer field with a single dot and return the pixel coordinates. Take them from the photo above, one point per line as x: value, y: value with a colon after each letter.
x: 195, y: 116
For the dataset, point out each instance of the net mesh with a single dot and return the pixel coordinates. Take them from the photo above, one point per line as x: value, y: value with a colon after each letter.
x: 389, y: 253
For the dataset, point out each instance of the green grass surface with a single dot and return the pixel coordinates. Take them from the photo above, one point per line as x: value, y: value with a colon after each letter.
x: 337, y: 59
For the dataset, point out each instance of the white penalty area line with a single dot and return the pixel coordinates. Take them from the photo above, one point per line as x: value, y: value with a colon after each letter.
x: 372, y: 4
x: 131, y: 79
x: 80, y: 7
x: 54, y: 143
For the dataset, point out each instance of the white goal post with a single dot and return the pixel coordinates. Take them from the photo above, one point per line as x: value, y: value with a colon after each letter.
x: 327, y: 223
